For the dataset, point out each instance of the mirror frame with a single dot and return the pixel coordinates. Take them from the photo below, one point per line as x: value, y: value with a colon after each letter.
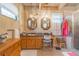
x: 45, y: 22
x: 33, y: 23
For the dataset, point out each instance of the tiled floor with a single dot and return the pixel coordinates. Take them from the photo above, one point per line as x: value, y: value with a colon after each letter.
x: 47, y: 52
x: 42, y: 52
x: 29, y: 53
x: 71, y: 50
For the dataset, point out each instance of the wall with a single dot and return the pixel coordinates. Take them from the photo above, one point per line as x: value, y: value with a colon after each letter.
x: 8, y: 23
x: 21, y: 17
x: 28, y: 11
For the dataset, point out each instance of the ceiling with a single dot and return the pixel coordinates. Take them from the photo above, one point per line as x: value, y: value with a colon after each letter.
x: 37, y: 4
x: 61, y: 6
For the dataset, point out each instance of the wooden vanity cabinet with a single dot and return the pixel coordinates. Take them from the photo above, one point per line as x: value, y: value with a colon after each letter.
x: 1, y: 54
x: 31, y: 42
x: 11, y: 48
x: 39, y: 42
x: 34, y: 42
x: 23, y: 42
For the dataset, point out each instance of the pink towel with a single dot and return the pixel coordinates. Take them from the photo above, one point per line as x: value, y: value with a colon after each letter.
x: 72, y: 54
x: 65, y: 29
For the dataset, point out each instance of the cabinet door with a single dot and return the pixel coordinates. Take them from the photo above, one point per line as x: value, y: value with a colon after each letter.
x: 9, y: 51
x: 23, y: 42
x: 30, y: 42
x: 38, y: 42
x: 13, y: 50
x: 33, y: 43
x: 1, y: 54
x: 16, y: 52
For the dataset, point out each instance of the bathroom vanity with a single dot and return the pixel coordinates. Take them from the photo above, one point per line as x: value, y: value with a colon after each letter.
x: 31, y: 41
x: 10, y: 48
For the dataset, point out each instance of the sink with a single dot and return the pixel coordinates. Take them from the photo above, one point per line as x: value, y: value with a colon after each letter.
x: 1, y: 43
x: 3, y: 39
x: 31, y: 34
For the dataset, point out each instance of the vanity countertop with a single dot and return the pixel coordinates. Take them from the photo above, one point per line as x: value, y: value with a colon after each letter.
x: 32, y: 34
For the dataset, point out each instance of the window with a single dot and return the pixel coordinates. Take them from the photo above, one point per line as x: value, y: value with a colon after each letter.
x: 9, y: 10
x: 57, y: 19
x: 6, y: 12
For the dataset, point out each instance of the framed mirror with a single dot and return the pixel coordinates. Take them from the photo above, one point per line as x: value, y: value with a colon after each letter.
x: 32, y: 23
x: 45, y: 23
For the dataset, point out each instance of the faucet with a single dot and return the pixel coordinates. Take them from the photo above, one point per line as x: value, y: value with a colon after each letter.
x: 3, y: 36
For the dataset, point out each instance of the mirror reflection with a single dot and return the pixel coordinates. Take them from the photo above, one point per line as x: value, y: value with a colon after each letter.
x: 45, y: 23
x: 32, y: 23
